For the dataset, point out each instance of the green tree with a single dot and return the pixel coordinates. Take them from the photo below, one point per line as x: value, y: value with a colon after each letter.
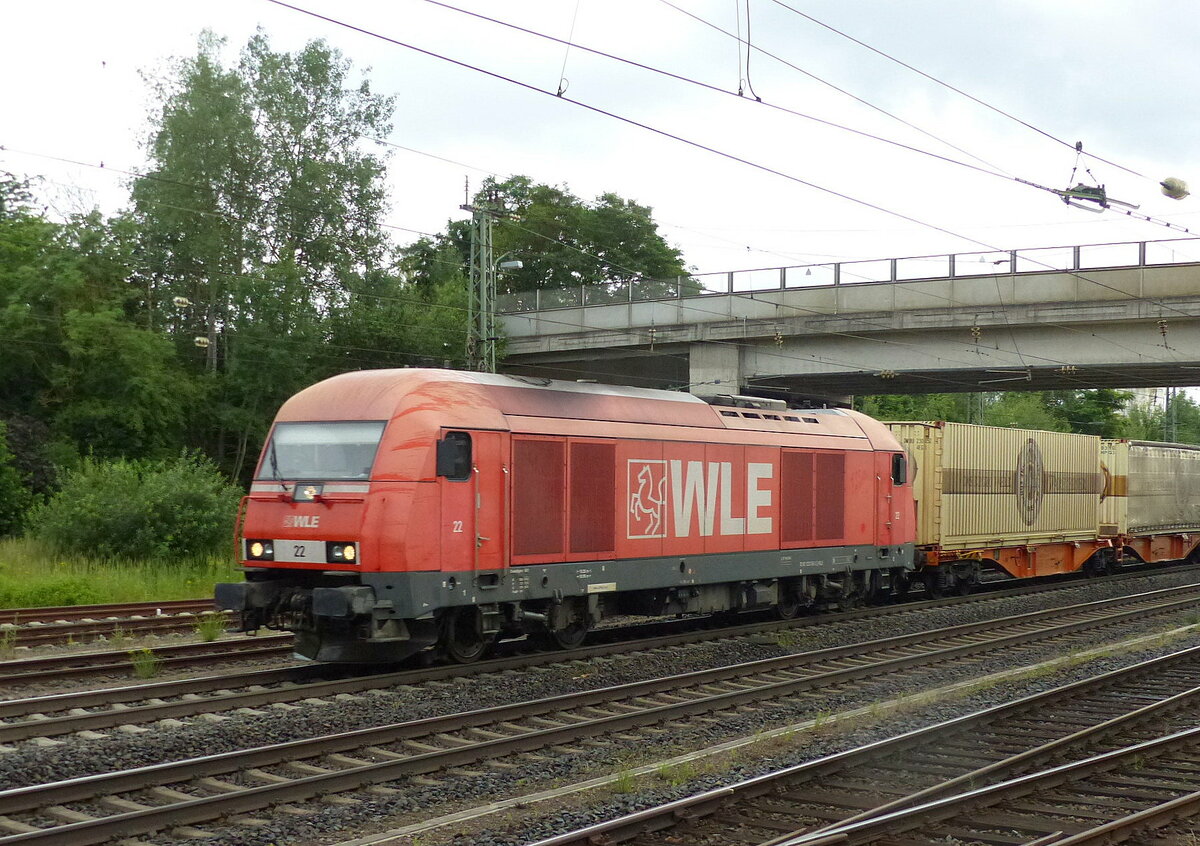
x: 1090, y: 412
x: 15, y: 495
x: 1022, y: 411
x: 956, y: 408
x: 564, y: 242
x: 76, y: 356
x: 260, y: 216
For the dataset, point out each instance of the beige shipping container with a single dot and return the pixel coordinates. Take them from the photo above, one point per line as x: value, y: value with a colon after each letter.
x: 1150, y: 488
x: 981, y: 487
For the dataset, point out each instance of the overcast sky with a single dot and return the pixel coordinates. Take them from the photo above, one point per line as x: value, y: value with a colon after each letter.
x: 1118, y: 76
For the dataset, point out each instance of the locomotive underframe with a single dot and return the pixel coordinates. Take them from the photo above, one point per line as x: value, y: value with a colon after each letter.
x: 387, y: 616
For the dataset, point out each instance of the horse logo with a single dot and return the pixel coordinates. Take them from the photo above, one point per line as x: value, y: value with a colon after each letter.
x: 647, y: 499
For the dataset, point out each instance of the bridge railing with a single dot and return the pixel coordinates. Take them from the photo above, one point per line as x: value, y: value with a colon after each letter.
x: 956, y: 265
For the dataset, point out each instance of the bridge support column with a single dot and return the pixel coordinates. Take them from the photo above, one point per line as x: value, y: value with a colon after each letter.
x: 714, y: 369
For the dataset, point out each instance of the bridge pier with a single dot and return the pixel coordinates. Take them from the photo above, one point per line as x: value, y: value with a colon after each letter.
x: 714, y: 369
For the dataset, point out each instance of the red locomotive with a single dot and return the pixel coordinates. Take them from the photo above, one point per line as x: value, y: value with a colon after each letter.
x: 396, y: 511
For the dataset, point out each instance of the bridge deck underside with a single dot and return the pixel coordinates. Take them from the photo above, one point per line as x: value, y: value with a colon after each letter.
x: 1121, y: 328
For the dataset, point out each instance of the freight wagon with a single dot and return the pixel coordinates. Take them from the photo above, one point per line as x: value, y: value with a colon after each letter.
x: 1033, y: 503
x: 1151, y: 501
x: 397, y: 511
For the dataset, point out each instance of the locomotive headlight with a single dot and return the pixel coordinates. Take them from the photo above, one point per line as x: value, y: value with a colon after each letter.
x: 260, y: 550
x: 342, y: 552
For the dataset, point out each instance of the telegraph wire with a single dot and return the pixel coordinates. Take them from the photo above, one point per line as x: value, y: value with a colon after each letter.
x: 956, y: 90
x: 628, y: 120
x: 831, y: 85
x: 699, y: 145
x: 610, y: 265
x: 666, y: 134
x: 719, y: 90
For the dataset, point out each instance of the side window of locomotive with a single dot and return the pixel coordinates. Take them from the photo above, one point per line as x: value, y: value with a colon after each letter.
x: 899, y: 468
x: 454, y: 456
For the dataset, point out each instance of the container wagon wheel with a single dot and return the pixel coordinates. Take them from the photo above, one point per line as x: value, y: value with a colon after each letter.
x: 935, y: 582
x: 462, y: 634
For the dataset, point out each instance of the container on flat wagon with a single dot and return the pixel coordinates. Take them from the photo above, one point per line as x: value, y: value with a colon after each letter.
x: 986, y: 486
x: 1149, y: 487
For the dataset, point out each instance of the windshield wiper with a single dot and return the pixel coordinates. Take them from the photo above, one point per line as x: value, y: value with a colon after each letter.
x: 275, y: 463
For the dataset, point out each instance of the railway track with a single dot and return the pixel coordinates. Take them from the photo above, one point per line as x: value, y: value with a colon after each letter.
x: 110, y: 611
x: 967, y: 781
x: 33, y: 627
x: 47, y: 670
x: 123, y: 804
x: 55, y: 715
x: 62, y: 667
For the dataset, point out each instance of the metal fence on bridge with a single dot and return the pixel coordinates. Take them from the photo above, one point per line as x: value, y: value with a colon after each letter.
x: 957, y: 265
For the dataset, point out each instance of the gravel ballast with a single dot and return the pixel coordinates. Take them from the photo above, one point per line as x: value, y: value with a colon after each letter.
x: 33, y: 763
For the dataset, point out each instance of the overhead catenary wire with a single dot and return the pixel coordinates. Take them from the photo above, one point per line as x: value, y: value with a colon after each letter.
x: 995, y: 170
x: 661, y: 132
x: 678, y: 77
x: 635, y: 273
x: 953, y: 88
x: 834, y: 87
x: 989, y: 170
x: 634, y: 333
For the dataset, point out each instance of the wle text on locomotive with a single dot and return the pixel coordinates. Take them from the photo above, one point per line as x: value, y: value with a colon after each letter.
x: 401, y: 511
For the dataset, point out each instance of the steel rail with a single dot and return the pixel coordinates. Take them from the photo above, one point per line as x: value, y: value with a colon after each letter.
x: 37, y: 724
x: 940, y: 810
x: 29, y: 670
x: 114, y: 610
x: 31, y: 718
x: 991, y: 591
x: 890, y: 749
x: 1122, y: 829
x: 65, y: 633
x: 361, y: 773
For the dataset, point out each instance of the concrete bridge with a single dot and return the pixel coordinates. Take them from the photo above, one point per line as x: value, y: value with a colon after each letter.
x: 1099, y: 315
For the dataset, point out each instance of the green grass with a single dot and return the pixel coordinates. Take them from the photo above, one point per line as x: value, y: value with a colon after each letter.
x: 145, y: 663
x: 209, y: 627
x: 32, y: 577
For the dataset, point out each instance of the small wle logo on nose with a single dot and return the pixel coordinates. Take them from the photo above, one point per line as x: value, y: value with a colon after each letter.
x: 301, y: 521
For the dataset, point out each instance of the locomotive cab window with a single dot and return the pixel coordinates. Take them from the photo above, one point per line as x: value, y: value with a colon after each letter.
x: 321, y: 451
x: 454, y: 456
x: 899, y: 468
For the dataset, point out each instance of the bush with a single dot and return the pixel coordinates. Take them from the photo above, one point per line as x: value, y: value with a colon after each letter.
x: 181, y: 508
x: 58, y: 590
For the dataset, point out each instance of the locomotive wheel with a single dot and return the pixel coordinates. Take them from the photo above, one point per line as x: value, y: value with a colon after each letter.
x: 462, y: 634
x: 789, y: 607
x: 568, y: 638
x: 567, y: 625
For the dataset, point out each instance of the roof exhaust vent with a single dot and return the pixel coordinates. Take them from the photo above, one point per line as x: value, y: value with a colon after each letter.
x: 738, y: 401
